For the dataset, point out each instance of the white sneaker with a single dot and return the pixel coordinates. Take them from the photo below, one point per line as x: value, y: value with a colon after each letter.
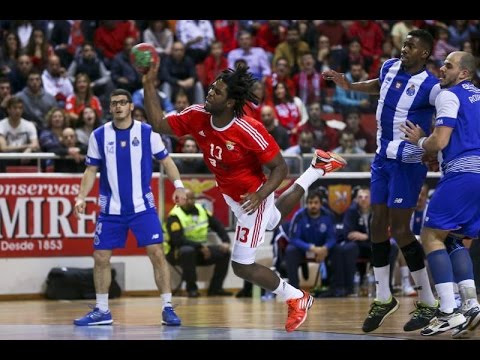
x: 443, y: 322
x: 466, y: 330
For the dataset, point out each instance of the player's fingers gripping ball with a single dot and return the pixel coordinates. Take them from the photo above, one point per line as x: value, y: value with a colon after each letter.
x: 142, y: 56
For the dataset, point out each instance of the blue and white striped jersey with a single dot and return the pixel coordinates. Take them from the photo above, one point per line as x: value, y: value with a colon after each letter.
x: 459, y: 108
x: 403, y: 96
x: 124, y: 157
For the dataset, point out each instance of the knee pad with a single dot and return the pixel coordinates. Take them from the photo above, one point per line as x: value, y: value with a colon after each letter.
x: 381, y: 254
x: 453, y: 243
x: 414, y: 256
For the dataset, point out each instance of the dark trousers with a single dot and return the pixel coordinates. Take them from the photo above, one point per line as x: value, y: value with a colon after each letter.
x: 344, y: 266
x: 294, y: 257
x: 189, y: 258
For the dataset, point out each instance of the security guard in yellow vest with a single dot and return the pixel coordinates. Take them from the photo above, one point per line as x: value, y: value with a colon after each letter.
x: 187, y: 228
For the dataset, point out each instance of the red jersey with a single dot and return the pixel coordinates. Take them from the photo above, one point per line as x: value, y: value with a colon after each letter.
x: 72, y: 107
x: 235, y: 153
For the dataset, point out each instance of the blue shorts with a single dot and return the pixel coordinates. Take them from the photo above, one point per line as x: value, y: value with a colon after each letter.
x: 396, y: 183
x: 455, y: 205
x: 112, y: 230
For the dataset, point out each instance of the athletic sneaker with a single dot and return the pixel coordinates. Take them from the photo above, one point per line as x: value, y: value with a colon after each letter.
x: 169, y: 318
x: 443, y: 322
x: 95, y: 317
x: 328, y: 161
x: 422, y: 315
x: 465, y: 330
x: 378, y: 313
x: 297, y: 311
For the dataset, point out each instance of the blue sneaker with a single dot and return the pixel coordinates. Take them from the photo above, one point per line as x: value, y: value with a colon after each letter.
x: 169, y: 317
x: 95, y: 317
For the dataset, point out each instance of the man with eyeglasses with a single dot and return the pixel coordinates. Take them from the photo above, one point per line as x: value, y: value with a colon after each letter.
x: 123, y: 149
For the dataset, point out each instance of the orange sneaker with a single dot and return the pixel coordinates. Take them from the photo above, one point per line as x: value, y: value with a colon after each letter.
x: 328, y: 161
x: 297, y: 311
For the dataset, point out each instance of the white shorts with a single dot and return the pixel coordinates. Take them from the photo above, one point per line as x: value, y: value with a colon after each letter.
x: 250, y: 229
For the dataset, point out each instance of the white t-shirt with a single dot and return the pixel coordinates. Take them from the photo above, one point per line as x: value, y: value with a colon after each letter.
x: 23, y: 134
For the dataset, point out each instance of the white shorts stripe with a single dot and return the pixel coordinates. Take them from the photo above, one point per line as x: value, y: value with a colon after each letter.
x: 258, y: 224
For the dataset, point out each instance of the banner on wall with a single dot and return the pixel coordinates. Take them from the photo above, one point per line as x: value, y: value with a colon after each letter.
x: 37, y: 218
x: 37, y: 214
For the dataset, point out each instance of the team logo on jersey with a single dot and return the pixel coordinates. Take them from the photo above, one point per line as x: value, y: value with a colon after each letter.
x: 230, y: 145
x: 411, y: 90
x: 135, y: 141
x: 123, y: 143
x: 111, y: 147
x: 398, y: 85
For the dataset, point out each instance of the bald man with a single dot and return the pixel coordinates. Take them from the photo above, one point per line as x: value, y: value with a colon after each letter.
x: 278, y: 132
x: 187, y: 227
x: 454, y: 210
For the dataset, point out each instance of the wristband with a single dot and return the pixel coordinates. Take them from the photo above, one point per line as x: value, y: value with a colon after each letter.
x: 178, y: 184
x: 421, y: 141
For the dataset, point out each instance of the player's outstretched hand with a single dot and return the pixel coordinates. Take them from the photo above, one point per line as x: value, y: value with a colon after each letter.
x: 152, y: 73
x: 337, y: 78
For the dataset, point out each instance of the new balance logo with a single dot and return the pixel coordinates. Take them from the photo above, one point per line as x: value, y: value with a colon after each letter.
x: 201, y: 133
x: 398, y: 201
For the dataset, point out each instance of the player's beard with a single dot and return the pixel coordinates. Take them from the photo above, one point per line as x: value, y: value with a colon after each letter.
x: 212, y: 109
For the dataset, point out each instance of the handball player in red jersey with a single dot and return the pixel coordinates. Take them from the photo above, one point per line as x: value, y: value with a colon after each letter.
x: 235, y: 148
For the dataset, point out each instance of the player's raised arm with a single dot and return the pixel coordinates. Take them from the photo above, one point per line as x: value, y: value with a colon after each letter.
x: 153, y: 108
x: 368, y: 86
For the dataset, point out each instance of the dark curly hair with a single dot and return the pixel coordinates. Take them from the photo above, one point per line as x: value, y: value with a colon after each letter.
x: 239, y: 87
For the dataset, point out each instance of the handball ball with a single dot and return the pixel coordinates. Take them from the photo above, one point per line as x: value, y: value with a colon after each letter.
x: 142, y: 56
